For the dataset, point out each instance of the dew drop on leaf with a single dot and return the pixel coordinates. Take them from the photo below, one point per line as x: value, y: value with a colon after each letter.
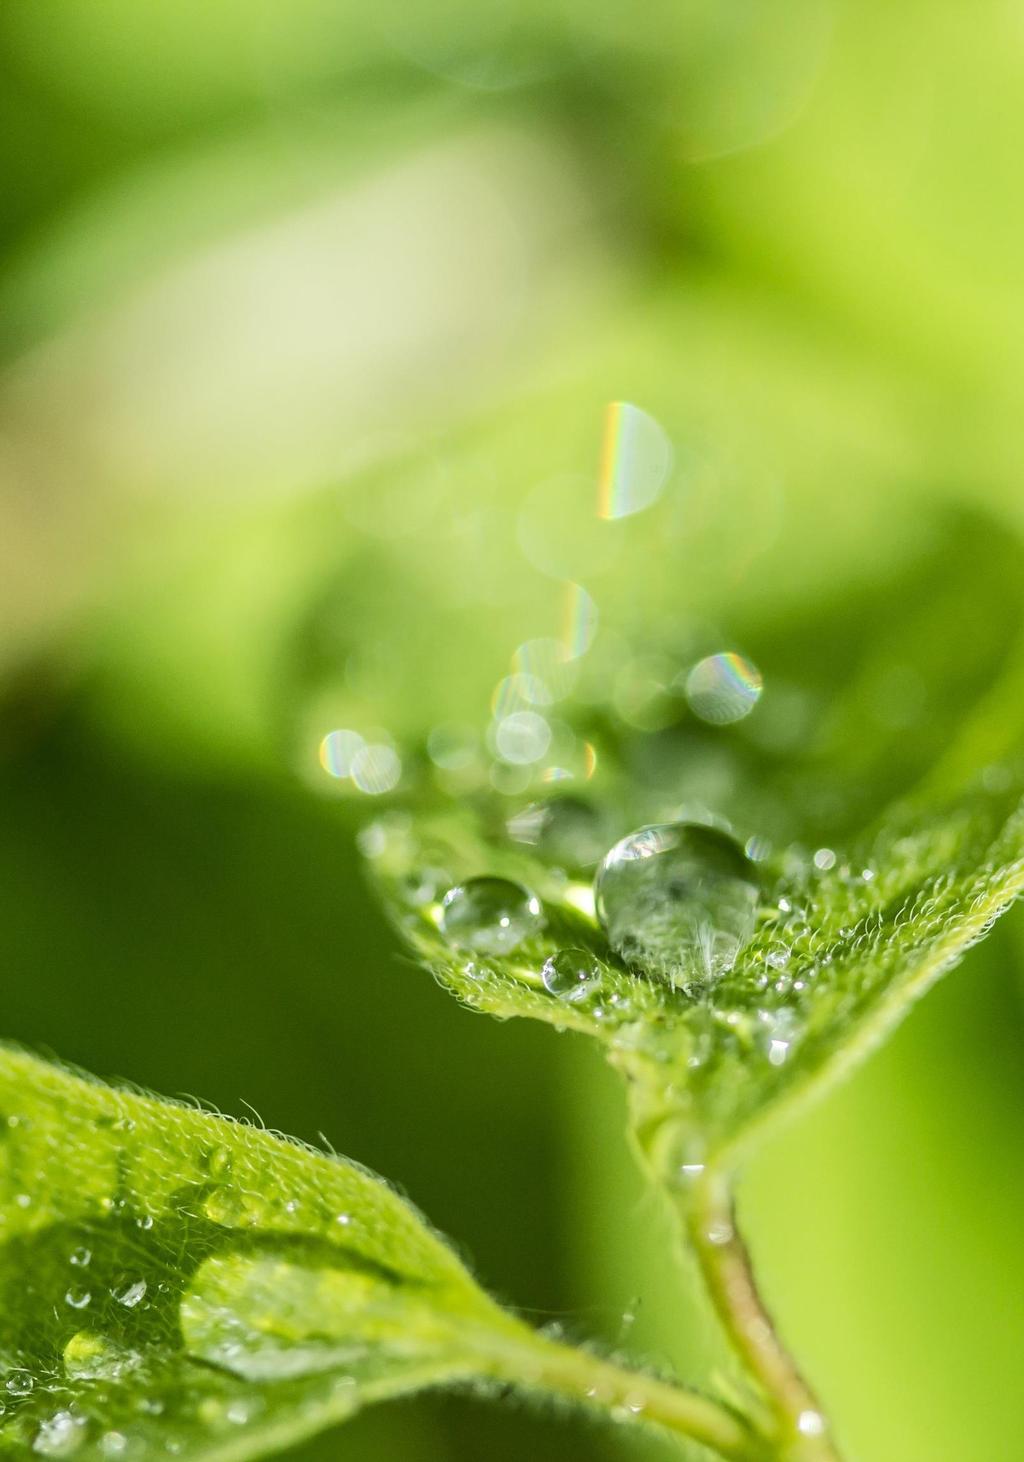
x: 571, y: 974
x: 490, y: 915
x: 567, y: 831
x: 59, y: 1435
x: 131, y: 1293
x: 92, y: 1357
x: 677, y: 900
x: 19, y: 1383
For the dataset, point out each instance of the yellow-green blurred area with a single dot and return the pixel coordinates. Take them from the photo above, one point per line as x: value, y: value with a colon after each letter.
x: 309, y: 314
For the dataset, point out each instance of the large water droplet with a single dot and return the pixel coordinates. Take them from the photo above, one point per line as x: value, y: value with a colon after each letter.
x: 678, y: 900
x: 571, y: 974
x: 491, y: 915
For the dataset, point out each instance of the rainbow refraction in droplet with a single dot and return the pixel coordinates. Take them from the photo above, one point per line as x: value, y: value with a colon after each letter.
x: 636, y: 458
x: 723, y: 688
x: 579, y: 624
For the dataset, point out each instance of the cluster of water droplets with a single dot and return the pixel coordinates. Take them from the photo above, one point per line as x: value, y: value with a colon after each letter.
x: 674, y: 902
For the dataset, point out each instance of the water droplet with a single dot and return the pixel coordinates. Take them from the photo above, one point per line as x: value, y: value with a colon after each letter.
x: 113, y: 1444
x: 81, y: 1257
x: 810, y: 1424
x: 490, y: 915
x: 77, y: 1298
x: 132, y: 1293
x: 218, y: 1161
x: 92, y: 1357
x: 60, y: 1435
x: 566, y: 830
x: 677, y: 899
x: 571, y: 974
x: 824, y: 859
x: 19, y: 1383
x: 636, y: 458
x: 720, y: 1232
x: 232, y: 1208
x: 723, y: 688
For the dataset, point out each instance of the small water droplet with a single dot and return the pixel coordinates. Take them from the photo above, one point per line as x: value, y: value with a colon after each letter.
x: 19, y: 1383
x: 60, y: 1435
x: 232, y: 1208
x: 677, y: 899
x: 81, y: 1257
x: 777, y: 1052
x: 218, y: 1161
x: 424, y: 886
x: 490, y: 915
x: 810, y: 1424
x: 571, y: 974
x: 77, y: 1298
x: 824, y: 859
x: 567, y: 831
x: 131, y: 1294
x: 113, y: 1444
x: 720, y: 1233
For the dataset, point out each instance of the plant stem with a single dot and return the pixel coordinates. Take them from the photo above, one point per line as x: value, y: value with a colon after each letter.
x: 801, y: 1428
x: 632, y: 1396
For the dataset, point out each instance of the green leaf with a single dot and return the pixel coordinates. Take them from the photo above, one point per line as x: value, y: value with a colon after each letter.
x: 174, y: 1283
x: 838, y: 955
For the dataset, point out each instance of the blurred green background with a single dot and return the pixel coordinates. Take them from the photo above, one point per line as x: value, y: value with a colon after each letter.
x: 304, y: 309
